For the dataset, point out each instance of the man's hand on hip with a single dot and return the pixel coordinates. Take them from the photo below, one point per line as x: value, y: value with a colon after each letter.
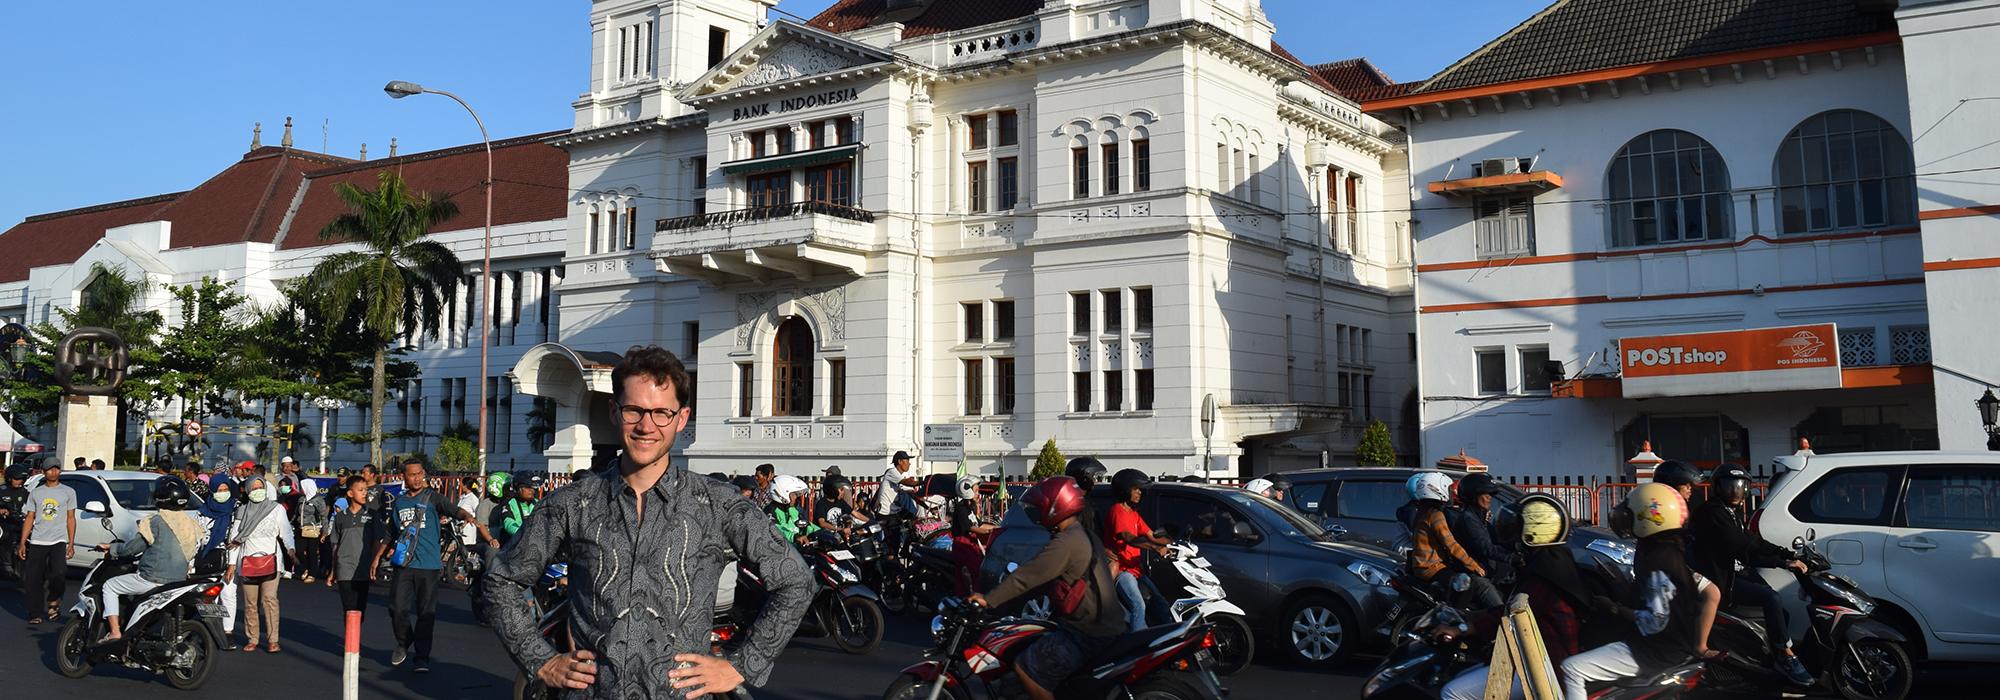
x: 704, y: 675
x: 575, y: 670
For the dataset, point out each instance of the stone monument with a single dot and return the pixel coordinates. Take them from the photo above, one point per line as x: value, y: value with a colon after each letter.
x: 90, y: 365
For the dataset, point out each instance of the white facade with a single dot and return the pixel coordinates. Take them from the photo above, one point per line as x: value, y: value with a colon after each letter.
x: 1574, y: 288
x: 1294, y: 319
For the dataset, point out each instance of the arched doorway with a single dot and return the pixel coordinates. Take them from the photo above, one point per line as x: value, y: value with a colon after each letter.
x: 791, y: 369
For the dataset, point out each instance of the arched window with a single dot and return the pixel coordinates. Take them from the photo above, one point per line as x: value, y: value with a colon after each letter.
x: 791, y: 369
x: 1844, y: 170
x: 1668, y: 186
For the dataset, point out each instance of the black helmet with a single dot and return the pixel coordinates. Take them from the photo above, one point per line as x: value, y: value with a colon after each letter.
x: 170, y: 493
x: 1676, y: 473
x: 1087, y: 471
x: 1126, y: 480
x: 1729, y: 483
x: 1476, y: 485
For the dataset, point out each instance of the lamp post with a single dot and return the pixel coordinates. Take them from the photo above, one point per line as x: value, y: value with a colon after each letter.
x: 399, y: 89
x: 1989, y: 415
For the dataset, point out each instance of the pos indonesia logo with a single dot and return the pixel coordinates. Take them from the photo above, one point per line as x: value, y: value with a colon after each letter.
x: 91, y: 361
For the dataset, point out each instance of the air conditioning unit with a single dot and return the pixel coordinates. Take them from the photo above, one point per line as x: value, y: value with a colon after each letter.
x: 1499, y: 166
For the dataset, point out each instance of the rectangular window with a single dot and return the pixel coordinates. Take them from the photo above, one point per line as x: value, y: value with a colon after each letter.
x: 1142, y: 389
x: 1142, y: 310
x: 785, y: 140
x: 1010, y: 127
x: 975, y: 187
x: 1079, y: 158
x: 611, y: 237
x: 624, y: 40
x: 1505, y: 227
x: 1953, y: 497
x: 1367, y: 397
x: 816, y: 135
x: 1079, y: 304
x: 1114, y: 390
x: 631, y: 233
x: 832, y: 184
x: 1082, y: 392
x: 1361, y: 347
x: 974, y: 314
x: 843, y: 131
x: 974, y: 381
x: 771, y: 189
x: 1346, y: 390
x: 746, y: 378
x: 975, y: 127
x: 1113, y: 311
x: 1009, y: 183
x: 1003, y: 386
x: 652, y: 50
x: 756, y: 143
x: 836, y: 387
x: 1222, y: 167
x: 1534, y: 377
x: 1492, y: 368
x: 691, y: 343
x: 590, y: 240
x: 700, y: 172
x: 1111, y: 168
x: 1003, y: 321
x: 1142, y: 165
x: 718, y: 45
x: 1255, y: 178
x: 1236, y: 165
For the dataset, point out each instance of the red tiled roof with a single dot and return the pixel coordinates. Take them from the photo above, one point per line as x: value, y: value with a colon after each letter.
x: 61, y: 237
x: 936, y: 17
x: 531, y: 183
x: 1383, y: 92
x: 244, y: 202
x: 1352, y: 76
x: 1311, y: 75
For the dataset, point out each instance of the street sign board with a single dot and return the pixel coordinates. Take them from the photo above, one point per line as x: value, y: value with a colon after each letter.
x: 943, y: 442
x: 1728, y: 362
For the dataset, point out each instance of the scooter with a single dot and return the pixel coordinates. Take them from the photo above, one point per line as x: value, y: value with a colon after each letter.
x: 172, y: 631
x: 842, y: 608
x: 1846, y: 650
x: 976, y: 652
x: 1235, y: 644
x: 1421, y: 659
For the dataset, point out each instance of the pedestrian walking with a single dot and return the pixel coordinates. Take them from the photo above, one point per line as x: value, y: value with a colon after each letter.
x: 352, y: 536
x: 13, y: 512
x: 261, y: 537
x: 418, y: 553
x: 48, y: 540
x: 314, y: 509
x: 219, y: 511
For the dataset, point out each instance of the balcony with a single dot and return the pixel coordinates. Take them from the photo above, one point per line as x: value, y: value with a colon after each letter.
x: 798, y: 240
x: 1526, y: 183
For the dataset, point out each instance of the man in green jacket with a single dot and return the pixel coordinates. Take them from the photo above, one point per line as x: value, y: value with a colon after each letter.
x: 526, y: 490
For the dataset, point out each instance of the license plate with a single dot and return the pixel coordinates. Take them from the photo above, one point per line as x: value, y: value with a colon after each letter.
x: 840, y: 555
x: 1200, y: 561
x: 208, y: 610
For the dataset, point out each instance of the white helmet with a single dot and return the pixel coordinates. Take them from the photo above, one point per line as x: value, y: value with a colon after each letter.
x: 785, y: 487
x: 1430, y: 486
x: 1259, y: 486
x: 968, y: 487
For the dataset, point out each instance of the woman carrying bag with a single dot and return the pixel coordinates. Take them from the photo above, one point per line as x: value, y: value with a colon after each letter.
x: 262, y: 537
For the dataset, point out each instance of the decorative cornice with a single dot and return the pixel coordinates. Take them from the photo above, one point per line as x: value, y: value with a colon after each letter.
x: 570, y: 138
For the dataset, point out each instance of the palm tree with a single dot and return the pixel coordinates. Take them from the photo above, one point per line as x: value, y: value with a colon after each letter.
x: 398, y: 281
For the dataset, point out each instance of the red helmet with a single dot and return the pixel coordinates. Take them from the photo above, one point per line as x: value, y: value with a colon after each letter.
x: 1052, y: 501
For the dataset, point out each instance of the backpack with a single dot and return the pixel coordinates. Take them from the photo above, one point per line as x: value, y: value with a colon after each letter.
x: 406, y: 541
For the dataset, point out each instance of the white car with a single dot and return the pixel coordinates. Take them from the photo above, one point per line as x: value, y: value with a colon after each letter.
x: 123, y: 498
x: 1917, y: 530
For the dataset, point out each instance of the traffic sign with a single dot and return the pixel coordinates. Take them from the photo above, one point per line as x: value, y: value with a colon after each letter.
x: 943, y: 442
x: 193, y: 428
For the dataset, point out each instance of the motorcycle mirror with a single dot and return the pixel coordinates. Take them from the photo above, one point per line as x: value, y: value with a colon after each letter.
x: 106, y: 522
x: 1798, y: 542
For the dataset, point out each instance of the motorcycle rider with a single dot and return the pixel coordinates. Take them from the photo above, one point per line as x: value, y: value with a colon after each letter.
x: 836, y: 510
x: 969, y: 537
x: 527, y: 490
x: 1538, y: 529
x: 1126, y: 534
x: 792, y: 522
x: 1679, y: 475
x: 1083, y: 598
x: 1676, y: 604
x: 1434, y: 551
x: 1271, y: 486
x: 1719, y: 541
x: 165, y: 544
x: 13, y: 508
x: 1472, y: 524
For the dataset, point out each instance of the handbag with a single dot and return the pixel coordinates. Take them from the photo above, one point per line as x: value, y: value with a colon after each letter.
x: 258, y: 566
x: 310, y: 532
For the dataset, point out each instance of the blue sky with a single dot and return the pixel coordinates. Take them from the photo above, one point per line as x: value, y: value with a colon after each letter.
x: 137, y: 98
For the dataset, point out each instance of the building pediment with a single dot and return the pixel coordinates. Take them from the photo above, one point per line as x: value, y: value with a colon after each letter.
x: 783, y: 53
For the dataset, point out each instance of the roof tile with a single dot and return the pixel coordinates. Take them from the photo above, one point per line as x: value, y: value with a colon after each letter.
x: 531, y: 183
x: 937, y: 17
x: 62, y: 237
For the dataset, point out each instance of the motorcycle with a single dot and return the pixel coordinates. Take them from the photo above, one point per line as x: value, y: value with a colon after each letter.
x: 1421, y: 660
x: 843, y: 608
x: 1846, y: 650
x: 1235, y: 645
x: 551, y: 596
x: 173, y: 630
x: 462, y: 565
x: 976, y: 652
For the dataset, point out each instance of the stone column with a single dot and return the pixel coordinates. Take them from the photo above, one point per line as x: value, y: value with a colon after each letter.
x: 88, y: 426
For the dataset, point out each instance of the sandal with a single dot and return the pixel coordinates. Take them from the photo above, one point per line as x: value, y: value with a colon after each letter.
x: 273, y: 648
x: 252, y: 646
x: 35, y: 621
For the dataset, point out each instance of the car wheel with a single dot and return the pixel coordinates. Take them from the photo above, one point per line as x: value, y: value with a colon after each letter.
x: 1317, y: 630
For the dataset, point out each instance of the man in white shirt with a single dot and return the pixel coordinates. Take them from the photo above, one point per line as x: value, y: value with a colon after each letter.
x: 896, y: 482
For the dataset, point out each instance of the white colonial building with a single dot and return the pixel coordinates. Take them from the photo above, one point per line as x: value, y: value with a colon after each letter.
x: 1612, y: 175
x: 1079, y: 221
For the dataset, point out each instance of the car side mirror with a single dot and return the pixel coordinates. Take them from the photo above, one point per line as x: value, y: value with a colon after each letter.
x: 1244, y: 533
x: 96, y: 507
x: 1333, y: 528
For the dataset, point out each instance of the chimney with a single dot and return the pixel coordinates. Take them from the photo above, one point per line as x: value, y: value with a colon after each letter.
x: 364, y: 151
x: 257, y: 136
x: 392, y: 147
x: 287, y: 142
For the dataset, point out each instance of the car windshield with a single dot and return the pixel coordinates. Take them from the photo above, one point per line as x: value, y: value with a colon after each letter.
x: 132, y: 493
x: 1291, y: 522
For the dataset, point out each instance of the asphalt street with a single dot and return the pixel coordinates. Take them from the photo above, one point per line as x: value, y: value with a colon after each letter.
x: 469, y: 663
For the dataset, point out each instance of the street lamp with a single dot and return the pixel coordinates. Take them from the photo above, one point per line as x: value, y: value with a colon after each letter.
x: 399, y: 89
x: 1989, y: 414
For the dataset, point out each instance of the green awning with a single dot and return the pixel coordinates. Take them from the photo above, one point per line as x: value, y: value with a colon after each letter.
x: 787, y: 161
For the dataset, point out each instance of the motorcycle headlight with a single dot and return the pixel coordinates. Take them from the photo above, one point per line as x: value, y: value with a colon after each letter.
x: 1615, y: 550
x: 1853, y: 600
x: 1369, y: 573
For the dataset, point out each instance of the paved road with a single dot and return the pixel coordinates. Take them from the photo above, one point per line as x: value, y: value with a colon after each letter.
x: 469, y: 663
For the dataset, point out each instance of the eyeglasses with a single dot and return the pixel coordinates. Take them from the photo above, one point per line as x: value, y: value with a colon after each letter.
x: 661, y: 416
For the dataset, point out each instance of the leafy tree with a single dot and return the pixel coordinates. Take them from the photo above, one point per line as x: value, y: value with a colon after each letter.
x: 542, y: 423
x: 200, y: 359
x: 455, y: 455
x: 1375, y: 449
x: 299, y: 355
x: 111, y: 300
x: 1049, y: 462
x: 396, y: 283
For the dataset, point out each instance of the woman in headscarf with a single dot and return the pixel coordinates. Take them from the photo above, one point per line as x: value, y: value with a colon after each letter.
x: 219, y: 511
x: 262, y: 537
x: 313, y: 513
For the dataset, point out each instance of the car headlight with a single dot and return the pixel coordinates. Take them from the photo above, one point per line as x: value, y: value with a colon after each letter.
x: 1369, y: 573
x: 1618, y: 551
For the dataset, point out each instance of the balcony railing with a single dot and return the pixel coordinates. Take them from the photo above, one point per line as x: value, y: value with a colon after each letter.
x: 755, y: 214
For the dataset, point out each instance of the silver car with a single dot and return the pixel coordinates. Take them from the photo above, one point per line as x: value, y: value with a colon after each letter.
x: 122, y: 498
